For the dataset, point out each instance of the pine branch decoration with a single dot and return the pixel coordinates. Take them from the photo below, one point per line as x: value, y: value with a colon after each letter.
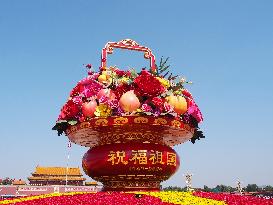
x: 163, y: 67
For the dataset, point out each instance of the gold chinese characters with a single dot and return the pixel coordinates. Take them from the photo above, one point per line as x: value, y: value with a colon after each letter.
x: 141, y: 157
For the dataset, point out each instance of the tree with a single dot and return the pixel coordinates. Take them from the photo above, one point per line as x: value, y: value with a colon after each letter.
x: 206, y: 188
x: 252, y: 188
x: 268, y: 188
x: 174, y: 188
x: 7, y: 181
x: 222, y: 188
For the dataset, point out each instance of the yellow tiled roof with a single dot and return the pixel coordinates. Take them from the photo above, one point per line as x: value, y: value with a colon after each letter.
x: 91, y: 183
x: 56, y: 178
x: 18, y: 182
x: 59, y: 171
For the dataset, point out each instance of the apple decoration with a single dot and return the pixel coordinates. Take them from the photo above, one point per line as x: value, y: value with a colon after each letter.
x: 129, y: 101
x: 179, y: 103
x: 89, y: 108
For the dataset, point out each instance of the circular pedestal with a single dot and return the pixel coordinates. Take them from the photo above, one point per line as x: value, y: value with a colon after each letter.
x: 131, y: 166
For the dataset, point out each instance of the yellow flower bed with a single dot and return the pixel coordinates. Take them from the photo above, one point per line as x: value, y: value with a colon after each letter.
x: 16, y: 200
x: 185, y: 198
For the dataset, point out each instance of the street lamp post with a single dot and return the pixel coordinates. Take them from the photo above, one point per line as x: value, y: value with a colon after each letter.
x: 239, y: 187
x: 188, y: 179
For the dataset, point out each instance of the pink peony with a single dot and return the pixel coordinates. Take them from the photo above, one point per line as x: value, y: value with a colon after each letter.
x: 91, y: 89
x: 146, y: 108
x: 88, y: 87
x: 113, y: 104
x: 77, y: 100
x: 167, y: 107
x: 195, y: 112
x: 104, y: 100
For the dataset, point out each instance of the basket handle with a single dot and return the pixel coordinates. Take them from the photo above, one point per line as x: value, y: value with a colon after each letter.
x: 130, y: 45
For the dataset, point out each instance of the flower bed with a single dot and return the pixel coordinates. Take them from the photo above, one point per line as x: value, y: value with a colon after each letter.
x: 233, y: 199
x: 101, y: 198
x: 183, y: 198
x: 109, y: 198
x: 140, y: 198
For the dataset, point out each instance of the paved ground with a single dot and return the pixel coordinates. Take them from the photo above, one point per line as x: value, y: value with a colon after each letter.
x: 37, y: 190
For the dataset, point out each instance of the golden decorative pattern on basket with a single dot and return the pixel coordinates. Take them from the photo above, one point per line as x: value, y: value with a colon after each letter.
x: 120, y: 121
x: 160, y: 121
x: 148, y: 129
x: 101, y: 122
x: 141, y: 120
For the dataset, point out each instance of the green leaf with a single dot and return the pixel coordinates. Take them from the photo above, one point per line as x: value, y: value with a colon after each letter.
x: 167, y: 93
x: 72, y: 122
x: 198, y: 134
x: 148, y: 113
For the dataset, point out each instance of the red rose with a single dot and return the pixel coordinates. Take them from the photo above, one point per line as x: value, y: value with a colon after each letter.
x: 121, y: 89
x: 148, y: 85
x: 128, y: 73
x: 119, y: 72
x: 190, y: 102
x: 69, y: 110
x: 157, y: 101
x: 88, y: 66
x: 187, y: 93
x: 77, y: 90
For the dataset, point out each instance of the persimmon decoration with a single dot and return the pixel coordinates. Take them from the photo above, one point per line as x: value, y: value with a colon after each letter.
x: 179, y: 103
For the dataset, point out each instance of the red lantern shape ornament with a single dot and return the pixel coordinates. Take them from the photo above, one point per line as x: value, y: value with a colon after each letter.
x: 115, y: 164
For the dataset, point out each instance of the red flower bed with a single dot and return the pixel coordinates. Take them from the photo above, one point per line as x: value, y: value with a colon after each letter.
x: 233, y: 199
x: 100, y: 198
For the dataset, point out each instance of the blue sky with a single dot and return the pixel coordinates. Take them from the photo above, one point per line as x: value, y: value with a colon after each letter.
x: 224, y: 47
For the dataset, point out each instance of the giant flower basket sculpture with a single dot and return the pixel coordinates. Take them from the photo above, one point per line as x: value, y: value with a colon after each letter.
x: 130, y: 121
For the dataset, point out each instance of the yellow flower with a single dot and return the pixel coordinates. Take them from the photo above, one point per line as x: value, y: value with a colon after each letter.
x: 185, y: 198
x: 103, y: 111
x: 124, y: 80
x: 164, y: 82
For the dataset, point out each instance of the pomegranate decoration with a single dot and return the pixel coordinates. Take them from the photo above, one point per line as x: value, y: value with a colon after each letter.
x: 106, y: 92
x: 89, y: 108
x: 129, y: 101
